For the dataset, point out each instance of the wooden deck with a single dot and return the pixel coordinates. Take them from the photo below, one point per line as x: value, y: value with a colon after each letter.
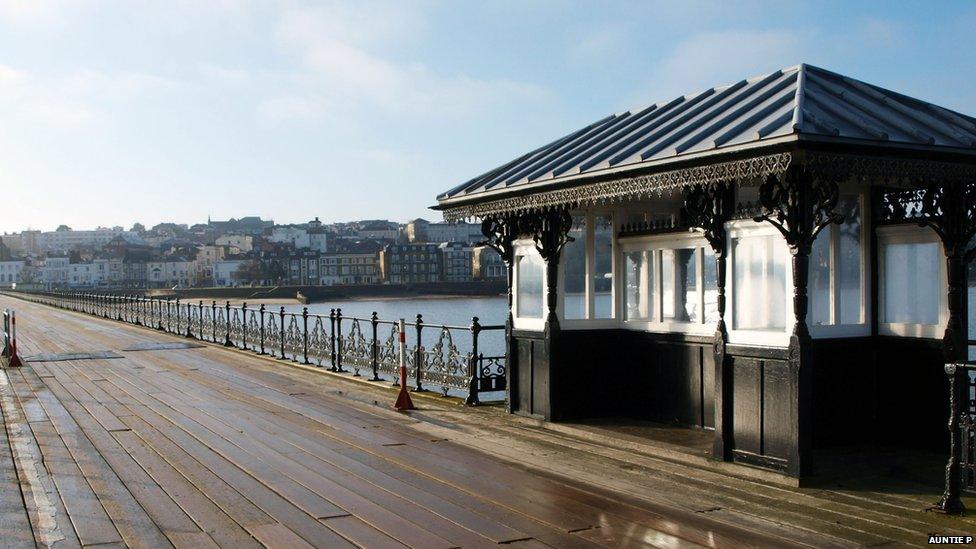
x: 206, y: 446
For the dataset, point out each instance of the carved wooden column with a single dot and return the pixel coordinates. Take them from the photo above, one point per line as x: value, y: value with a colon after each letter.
x: 800, y: 205
x: 709, y: 207
x: 501, y: 233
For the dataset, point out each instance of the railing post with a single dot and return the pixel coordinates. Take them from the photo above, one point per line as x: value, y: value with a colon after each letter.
x: 281, y: 332
x: 473, y: 367
x: 419, y: 352
x: 305, y: 333
x: 261, y: 314
x: 189, y: 319
x: 227, y: 341
x: 200, y: 319
x: 178, y: 318
x: 213, y: 321
x: 374, y: 355
x: 169, y: 316
x: 951, y: 503
x: 140, y: 314
x: 244, y: 325
x: 339, y: 341
x: 332, y: 339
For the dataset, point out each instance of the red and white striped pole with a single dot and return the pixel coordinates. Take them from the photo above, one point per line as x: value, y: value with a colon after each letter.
x: 403, y: 402
x: 14, y: 357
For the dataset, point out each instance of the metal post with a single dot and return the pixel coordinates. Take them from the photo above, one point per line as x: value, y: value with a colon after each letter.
x: 339, y: 341
x: 169, y: 316
x: 200, y: 313
x: 244, y: 325
x: 178, y: 317
x: 305, y: 333
x: 227, y: 341
x: 375, y: 358
x: 261, y: 314
x: 213, y: 321
x: 281, y: 333
x: 332, y: 339
x: 189, y: 319
x: 419, y: 354
x: 473, y: 366
x: 403, y: 401
x: 951, y: 503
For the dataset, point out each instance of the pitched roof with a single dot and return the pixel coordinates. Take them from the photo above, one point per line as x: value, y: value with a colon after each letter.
x: 798, y: 101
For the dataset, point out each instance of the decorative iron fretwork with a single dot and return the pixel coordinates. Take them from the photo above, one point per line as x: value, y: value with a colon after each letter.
x: 643, y: 186
x: 799, y: 206
x: 651, y: 226
x: 450, y: 363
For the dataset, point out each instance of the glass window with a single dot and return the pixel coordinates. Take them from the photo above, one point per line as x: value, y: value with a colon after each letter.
x: 759, y: 267
x: 639, y: 284
x: 710, y: 286
x: 912, y: 282
x: 835, y: 284
x: 849, y: 275
x: 574, y: 281
x: 603, y: 266
x: 819, y: 283
x: 529, y: 295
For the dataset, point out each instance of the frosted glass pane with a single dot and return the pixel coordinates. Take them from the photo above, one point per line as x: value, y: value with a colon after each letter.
x: 759, y: 272
x: 686, y: 293
x: 710, y: 286
x: 849, y: 261
x: 603, y: 266
x: 819, y: 284
x: 639, y: 283
x: 529, y: 286
x: 912, y: 283
x: 667, y: 284
x: 574, y: 280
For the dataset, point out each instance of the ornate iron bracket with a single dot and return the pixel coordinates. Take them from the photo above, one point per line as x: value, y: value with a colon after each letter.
x: 709, y: 207
x: 799, y: 206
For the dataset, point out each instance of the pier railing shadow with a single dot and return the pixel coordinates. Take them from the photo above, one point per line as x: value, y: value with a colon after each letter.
x: 443, y: 357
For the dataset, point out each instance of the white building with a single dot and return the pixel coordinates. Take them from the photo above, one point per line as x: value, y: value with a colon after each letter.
x: 10, y: 272
x: 54, y: 271
x: 169, y: 272
x: 243, y: 242
x: 69, y: 239
x: 287, y: 234
x: 224, y: 271
x: 454, y: 232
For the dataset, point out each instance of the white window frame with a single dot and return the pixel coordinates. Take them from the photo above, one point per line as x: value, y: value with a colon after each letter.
x: 911, y: 234
x: 521, y: 248
x: 863, y: 328
x: 768, y: 338
x: 654, y: 244
x: 589, y: 301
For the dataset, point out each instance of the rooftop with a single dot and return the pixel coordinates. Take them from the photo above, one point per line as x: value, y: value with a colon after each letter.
x: 800, y: 102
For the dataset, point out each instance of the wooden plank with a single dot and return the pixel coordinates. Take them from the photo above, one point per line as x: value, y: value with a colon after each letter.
x: 208, y: 517
x: 15, y: 523
x: 257, y: 493
x: 362, y: 534
x: 135, y: 526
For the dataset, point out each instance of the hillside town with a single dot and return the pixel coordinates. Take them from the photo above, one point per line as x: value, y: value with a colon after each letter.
x: 248, y: 251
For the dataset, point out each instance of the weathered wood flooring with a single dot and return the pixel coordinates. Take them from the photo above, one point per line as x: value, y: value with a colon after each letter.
x: 197, y: 447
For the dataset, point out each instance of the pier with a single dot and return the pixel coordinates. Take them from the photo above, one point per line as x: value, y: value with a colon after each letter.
x: 118, y: 434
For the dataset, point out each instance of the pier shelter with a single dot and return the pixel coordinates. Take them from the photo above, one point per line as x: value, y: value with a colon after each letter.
x: 783, y: 261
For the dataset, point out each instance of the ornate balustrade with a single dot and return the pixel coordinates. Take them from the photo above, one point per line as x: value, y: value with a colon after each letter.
x: 439, y: 356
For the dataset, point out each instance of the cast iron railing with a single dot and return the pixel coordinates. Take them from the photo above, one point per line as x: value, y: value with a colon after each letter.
x: 443, y: 356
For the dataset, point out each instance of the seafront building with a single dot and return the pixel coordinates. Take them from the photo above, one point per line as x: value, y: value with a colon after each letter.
x: 768, y: 262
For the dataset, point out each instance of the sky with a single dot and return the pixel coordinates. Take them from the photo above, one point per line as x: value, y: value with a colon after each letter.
x: 138, y: 111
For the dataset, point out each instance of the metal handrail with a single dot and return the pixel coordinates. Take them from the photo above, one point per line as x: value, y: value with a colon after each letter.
x: 345, y: 343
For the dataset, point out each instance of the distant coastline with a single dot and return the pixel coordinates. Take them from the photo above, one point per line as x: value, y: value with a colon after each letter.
x: 316, y: 294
